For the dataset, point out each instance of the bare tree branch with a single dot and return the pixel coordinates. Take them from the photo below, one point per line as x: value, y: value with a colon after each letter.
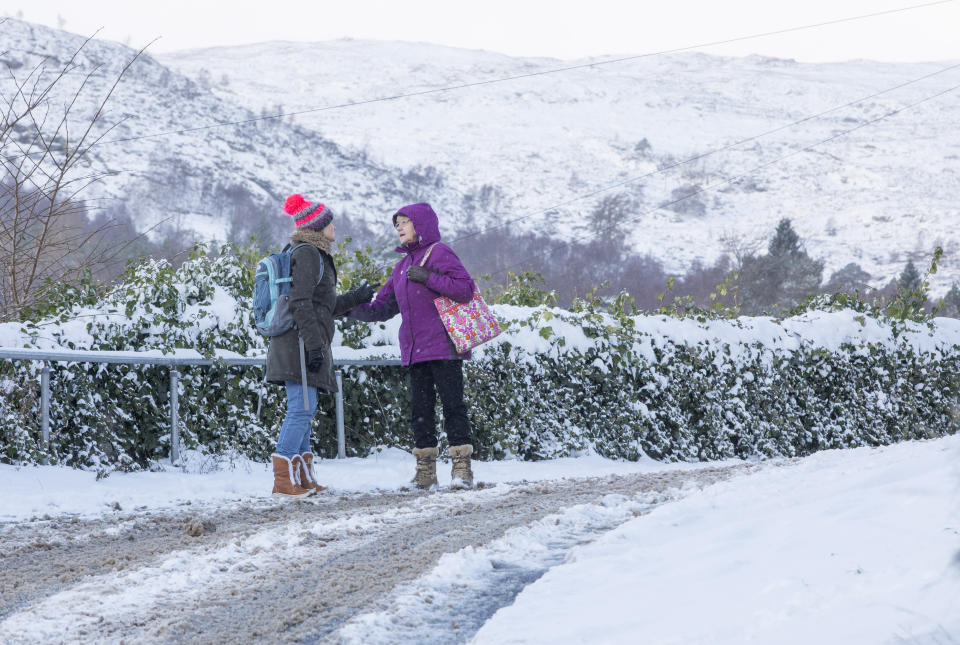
x: 46, y: 231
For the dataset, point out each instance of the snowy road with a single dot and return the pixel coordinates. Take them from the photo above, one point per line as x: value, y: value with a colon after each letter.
x: 355, y: 567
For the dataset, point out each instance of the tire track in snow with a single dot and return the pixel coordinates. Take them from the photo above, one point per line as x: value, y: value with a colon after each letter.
x: 324, y: 594
x: 131, y: 603
x: 295, y: 572
x: 450, y: 603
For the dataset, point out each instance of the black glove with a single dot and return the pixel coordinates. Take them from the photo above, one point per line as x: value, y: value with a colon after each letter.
x: 314, y: 359
x: 418, y: 273
x: 364, y: 293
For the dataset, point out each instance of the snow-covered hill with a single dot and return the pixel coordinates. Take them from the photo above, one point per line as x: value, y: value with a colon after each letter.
x: 495, y: 152
x: 882, y: 195
x: 167, y: 165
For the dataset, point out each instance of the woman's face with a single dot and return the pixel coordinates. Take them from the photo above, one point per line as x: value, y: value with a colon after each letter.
x: 405, y: 230
x: 329, y: 232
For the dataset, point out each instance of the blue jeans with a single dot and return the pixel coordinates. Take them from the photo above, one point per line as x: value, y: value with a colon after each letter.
x: 294, y: 436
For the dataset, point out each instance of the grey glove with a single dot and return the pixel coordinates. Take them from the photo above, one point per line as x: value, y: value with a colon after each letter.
x: 314, y: 359
x: 419, y: 274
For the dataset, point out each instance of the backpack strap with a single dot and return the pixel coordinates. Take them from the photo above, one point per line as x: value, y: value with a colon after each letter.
x: 297, y: 246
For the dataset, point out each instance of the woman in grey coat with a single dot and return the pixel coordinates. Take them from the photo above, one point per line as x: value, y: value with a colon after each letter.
x: 314, y: 304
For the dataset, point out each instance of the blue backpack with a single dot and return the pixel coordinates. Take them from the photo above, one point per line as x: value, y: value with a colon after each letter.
x: 271, y: 292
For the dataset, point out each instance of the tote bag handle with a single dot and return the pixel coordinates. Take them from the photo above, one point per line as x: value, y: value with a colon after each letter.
x: 427, y: 254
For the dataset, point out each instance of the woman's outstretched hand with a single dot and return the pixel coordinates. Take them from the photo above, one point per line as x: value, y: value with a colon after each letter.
x: 365, y: 292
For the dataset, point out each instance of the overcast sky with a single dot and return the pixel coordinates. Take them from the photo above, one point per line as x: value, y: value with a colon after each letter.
x: 555, y: 28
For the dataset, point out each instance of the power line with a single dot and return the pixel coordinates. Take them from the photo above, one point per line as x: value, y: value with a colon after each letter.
x: 575, y: 67
x: 701, y: 190
x: 521, y: 76
x: 683, y: 162
x: 704, y: 155
x: 527, y: 75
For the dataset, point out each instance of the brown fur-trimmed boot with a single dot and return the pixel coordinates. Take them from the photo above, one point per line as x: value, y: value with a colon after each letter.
x: 286, y: 476
x: 426, y: 475
x: 461, y: 473
x: 308, y: 476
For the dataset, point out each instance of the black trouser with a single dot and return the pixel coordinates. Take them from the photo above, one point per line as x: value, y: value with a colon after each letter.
x: 427, y: 379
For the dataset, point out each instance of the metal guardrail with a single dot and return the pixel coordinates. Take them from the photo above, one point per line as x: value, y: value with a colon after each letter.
x: 171, y: 361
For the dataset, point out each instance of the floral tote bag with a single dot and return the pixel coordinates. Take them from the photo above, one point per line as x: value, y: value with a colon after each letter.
x: 468, y: 323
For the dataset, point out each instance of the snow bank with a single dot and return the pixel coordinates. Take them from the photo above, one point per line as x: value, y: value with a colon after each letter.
x: 855, y: 546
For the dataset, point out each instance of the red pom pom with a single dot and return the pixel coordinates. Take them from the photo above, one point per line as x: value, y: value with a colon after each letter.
x: 295, y: 204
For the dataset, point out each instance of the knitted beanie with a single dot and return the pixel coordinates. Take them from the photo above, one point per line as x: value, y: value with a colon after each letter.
x: 308, y: 214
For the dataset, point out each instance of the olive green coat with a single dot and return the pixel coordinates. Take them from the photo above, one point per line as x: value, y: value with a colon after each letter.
x: 314, y: 305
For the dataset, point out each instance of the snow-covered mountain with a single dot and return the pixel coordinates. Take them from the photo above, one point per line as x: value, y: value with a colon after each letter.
x: 883, y: 194
x: 535, y: 150
x: 167, y: 164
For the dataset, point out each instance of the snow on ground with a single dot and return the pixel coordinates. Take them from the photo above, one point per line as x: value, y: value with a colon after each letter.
x: 35, y: 491
x: 464, y: 585
x: 854, y: 546
x: 186, y: 574
x: 848, y: 546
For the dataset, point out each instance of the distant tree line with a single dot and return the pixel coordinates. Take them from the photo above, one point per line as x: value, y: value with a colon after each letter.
x: 757, y: 283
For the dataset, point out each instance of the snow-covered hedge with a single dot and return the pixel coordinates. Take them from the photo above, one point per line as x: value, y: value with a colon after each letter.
x: 555, y: 383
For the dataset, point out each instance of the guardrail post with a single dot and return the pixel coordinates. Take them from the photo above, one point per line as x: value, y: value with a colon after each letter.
x: 45, y: 405
x: 341, y: 435
x: 174, y: 420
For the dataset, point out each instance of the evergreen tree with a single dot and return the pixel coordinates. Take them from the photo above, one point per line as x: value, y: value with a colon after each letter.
x: 911, y: 295
x: 848, y: 279
x: 909, y: 280
x: 951, y: 303
x: 785, y: 241
x: 783, y: 278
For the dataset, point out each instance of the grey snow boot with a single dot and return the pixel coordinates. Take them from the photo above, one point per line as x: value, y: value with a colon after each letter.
x: 461, y: 473
x: 426, y: 475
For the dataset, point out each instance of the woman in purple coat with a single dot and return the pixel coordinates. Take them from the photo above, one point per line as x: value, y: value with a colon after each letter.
x: 428, y: 269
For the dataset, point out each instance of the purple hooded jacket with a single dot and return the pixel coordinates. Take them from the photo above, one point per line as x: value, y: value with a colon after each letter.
x: 422, y: 335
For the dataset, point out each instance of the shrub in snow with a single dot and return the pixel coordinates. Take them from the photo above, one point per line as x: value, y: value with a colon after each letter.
x: 555, y: 383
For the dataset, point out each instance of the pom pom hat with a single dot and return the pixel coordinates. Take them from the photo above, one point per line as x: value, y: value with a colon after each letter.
x: 308, y: 214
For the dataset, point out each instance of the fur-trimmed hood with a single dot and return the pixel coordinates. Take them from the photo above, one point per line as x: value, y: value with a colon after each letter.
x: 313, y: 237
